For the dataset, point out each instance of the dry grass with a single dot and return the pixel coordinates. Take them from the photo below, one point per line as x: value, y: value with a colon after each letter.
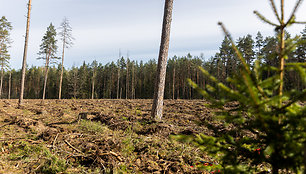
x: 98, y: 136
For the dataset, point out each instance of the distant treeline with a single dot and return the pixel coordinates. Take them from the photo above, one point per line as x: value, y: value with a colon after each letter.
x: 127, y: 79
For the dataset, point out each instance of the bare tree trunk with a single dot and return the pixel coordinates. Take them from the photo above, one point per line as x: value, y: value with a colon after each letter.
x: 24, y: 64
x: 118, y: 82
x: 111, y: 86
x: 169, y: 90
x: 9, y: 85
x: 184, y: 90
x: 190, y: 77
x: 136, y: 83
x: 133, y: 88
x: 46, y: 76
x: 120, y: 93
x: 225, y: 70
x: 198, y: 79
x: 93, y: 84
x: 127, y: 78
x: 75, y: 83
x: 45, y: 83
x: 1, y: 81
x: 157, y: 107
x: 173, y: 82
x: 104, y: 86
x: 118, y: 76
x: 62, y: 70
x: 16, y: 90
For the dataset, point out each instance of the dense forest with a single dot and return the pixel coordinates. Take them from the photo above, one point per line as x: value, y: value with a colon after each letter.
x: 129, y: 79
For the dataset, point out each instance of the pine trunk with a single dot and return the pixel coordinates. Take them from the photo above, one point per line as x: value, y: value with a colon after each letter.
x: 24, y: 64
x: 10, y: 84
x: 133, y: 88
x: 104, y: 87
x: 62, y: 70
x: 281, y: 51
x: 1, y: 81
x: 120, y: 93
x: 118, y: 82
x: 136, y: 84
x: 173, y: 82
x: 118, y: 77
x: 127, y: 81
x: 157, y: 107
x: 190, y: 77
x: 46, y: 76
x: 111, y: 86
x: 75, y: 81
x: 93, y: 85
x: 45, y: 83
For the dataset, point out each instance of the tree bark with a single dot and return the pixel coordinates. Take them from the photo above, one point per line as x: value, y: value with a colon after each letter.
x: 1, y: 81
x: 62, y: 70
x: 118, y: 82
x: 46, y: 75
x: 173, y: 82
x: 133, y: 81
x: 9, y: 86
x: 281, y: 51
x: 118, y: 76
x: 157, y: 107
x: 24, y: 64
x: 93, y: 84
x: 111, y: 86
x: 190, y: 77
x: 45, y: 83
x: 75, y: 81
x: 127, y: 79
x: 120, y: 93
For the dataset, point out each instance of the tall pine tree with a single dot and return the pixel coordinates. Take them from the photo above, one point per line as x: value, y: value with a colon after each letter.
x: 67, y: 39
x: 25, y: 52
x: 48, y: 50
x: 5, y: 28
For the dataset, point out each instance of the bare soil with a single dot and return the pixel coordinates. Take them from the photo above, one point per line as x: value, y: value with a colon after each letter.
x: 99, y: 136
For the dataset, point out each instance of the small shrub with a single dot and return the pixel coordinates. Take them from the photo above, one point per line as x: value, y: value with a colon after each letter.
x: 23, y: 150
x: 92, y: 127
x: 49, y: 163
x: 53, y: 165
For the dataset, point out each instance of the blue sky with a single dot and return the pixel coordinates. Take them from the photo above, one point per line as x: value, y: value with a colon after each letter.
x: 102, y: 27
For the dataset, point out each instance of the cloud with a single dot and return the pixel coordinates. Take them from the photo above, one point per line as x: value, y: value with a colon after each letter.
x: 102, y: 27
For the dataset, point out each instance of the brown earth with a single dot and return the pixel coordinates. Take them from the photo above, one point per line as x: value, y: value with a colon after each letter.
x: 99, y: 136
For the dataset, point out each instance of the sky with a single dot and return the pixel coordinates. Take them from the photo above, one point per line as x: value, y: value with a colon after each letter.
x: 103, y: 27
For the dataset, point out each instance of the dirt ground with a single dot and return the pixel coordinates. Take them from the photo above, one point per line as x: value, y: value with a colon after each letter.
x: 99, y: 136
